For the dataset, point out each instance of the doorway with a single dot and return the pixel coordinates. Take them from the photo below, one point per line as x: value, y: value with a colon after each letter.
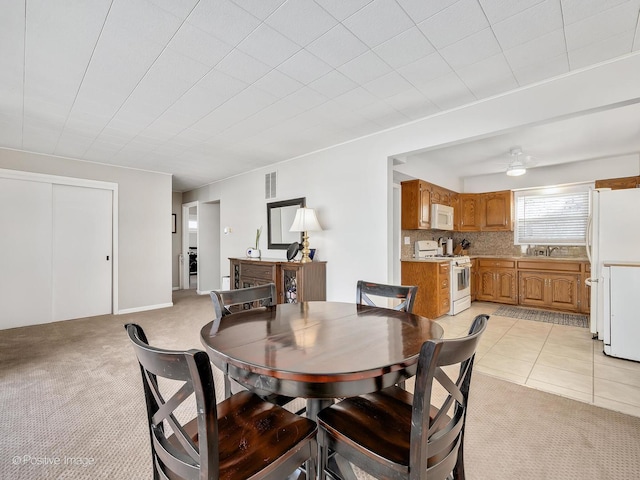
x: 190, y: 245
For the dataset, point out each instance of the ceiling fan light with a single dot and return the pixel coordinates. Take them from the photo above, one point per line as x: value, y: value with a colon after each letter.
x: 516, y: 170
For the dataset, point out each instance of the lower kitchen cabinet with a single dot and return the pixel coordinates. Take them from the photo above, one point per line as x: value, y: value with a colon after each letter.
x: 550, y: 290
x: 497, y: 281
x: 433, y: 281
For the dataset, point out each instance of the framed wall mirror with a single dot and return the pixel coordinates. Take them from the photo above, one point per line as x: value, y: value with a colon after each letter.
x: 280, y: 217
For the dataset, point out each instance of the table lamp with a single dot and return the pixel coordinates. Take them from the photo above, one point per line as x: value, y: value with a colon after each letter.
x: 305, y: 221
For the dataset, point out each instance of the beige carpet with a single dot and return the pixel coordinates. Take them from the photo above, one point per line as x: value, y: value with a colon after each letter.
x: 72, y: 407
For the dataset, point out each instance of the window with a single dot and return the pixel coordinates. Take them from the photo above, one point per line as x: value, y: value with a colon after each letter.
x: 552, y: 216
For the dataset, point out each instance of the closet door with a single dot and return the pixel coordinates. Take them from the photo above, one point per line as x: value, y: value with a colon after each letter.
x: 82, y: 252
x: 25, y: 253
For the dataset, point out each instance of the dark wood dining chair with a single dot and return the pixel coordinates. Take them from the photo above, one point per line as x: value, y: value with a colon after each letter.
x: 243, y: 298
x: 406, y: 294
x: 393, y: 434
x: 243, y: 437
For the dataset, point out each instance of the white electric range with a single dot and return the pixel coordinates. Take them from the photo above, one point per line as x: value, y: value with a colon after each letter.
x: 460, y: 281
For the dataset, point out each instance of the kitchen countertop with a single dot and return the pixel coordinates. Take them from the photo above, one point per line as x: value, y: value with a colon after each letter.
x: 509, y: 257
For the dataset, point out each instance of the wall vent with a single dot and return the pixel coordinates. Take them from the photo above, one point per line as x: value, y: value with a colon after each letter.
x: 270, y: 185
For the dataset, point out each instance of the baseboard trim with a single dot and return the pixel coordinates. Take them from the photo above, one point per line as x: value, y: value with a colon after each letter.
x: 145, y: 308
x: 176, y: 288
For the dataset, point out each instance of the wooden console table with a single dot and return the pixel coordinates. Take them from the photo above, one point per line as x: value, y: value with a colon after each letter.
x: 295, y: 281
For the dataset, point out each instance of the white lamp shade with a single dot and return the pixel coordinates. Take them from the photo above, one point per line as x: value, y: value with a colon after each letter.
x: 305, y: 221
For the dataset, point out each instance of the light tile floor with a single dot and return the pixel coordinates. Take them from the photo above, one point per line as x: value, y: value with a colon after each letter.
x: 555, y: 358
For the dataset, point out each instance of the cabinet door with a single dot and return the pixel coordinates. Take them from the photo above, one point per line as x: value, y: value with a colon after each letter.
x: 506, y: 291
x: 416, y: 203
x: 486, y: 285
x: 618, y: 183
x: 469, y: 212
x: 563, y: 291
x: 473, y: 283
x: 532, y: 289
x: 495, y: 212
x: 290, y: 286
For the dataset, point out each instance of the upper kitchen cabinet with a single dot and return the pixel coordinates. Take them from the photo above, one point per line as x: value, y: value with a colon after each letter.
x: 416, y: 205
x: 496, y: 211
x: 467, y: 212
x: 619, y: 183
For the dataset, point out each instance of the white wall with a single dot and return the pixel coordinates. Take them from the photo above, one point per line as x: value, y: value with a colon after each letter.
x: 351, y: 184
x: 144, y: 255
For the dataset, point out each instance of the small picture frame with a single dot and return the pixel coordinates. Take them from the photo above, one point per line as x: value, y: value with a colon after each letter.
x: 174, y: 224
x: 312, y: 253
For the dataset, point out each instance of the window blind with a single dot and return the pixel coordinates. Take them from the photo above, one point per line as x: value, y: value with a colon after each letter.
x: 556, y: 216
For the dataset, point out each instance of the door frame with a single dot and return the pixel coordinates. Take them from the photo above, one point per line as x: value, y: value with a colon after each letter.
x: 184, y: 275
x: 82, y: 182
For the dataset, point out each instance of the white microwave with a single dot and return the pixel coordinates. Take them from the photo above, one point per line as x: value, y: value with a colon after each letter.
x: 441, y: 217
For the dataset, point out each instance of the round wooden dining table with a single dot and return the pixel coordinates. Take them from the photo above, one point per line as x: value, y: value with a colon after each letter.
x: 318, y: 350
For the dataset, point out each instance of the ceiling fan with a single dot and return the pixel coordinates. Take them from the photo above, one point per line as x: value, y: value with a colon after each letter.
x: 519, y: 162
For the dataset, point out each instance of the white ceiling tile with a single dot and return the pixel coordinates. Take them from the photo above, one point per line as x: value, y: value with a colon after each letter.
x: 488, y: 77
x: 166, y: 81
x: 224, y: 20
x: 337, y: 46
x: 412, y: 104
x: 159, y: 25
x: 12, y: 54
x: 304, y: 67
x: 366, y: 24
x: 268, y: 45
x: 278, y: 84
x: 471, y: 49
x: 199, y: 45
x: 549, y: 69
x: 180, y: 8
x: 529, y: 24
x: 356, y: 99
x: 538, y: 50
x: 243, y: 67
x: 333, y: 84
x: 636, y: 40
x: 365, y: 68
x: 498, y: 10
x: 306, y: 98
x: 388, y: 85
x: 420, y: 10
x: 452, y: 24
x: 603, y: 50
x: 425, y: 69
x: 301, y: 20
x: 447, y: 92
x: 260, y: 8
x: 341, y: 9
x: 404, y: 48
x: 576, y: 10
x: 383, y: 114
x: 602, y: 26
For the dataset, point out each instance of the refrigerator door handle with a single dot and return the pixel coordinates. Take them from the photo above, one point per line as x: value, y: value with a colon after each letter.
x: 589, y: 237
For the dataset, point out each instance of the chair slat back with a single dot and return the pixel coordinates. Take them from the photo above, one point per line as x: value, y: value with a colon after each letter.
x: 406, y: 294
x: 178, y: 455
x: 436, y: 441
x: 262, y: 295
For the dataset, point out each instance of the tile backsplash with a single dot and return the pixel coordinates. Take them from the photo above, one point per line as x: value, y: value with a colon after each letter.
x: 481, y: 243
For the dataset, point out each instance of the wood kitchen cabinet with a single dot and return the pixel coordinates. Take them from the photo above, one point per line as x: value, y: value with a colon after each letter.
x: 497, y: 281
x: 585, y: 290
x: 416, y: 205
x: 433, y: 298
x: 295, y: 282
x: 496, y: 211
x: 467, y: 212
x: 552, y: 284
x: 619, y: 183
x: 474, y: 280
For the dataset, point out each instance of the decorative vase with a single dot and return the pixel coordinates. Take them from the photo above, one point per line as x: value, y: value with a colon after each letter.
x: 253, y: 253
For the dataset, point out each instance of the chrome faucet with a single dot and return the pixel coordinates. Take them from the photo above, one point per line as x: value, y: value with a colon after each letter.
x: 549, y: 250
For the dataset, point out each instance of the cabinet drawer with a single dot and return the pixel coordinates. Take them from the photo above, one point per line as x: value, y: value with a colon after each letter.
x: 492, y: 262
x: 444, y: 283
x: 444, y: 268
x: 551, y: 266
x: 444, y: 304
x: 263, y: 272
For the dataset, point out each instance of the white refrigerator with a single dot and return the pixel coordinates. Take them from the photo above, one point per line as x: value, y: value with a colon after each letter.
x: 613, y: 238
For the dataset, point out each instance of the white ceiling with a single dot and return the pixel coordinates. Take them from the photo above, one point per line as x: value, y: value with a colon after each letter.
x: 207, y: 89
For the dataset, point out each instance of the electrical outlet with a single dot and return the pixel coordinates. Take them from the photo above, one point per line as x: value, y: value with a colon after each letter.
x: 407, y: 240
